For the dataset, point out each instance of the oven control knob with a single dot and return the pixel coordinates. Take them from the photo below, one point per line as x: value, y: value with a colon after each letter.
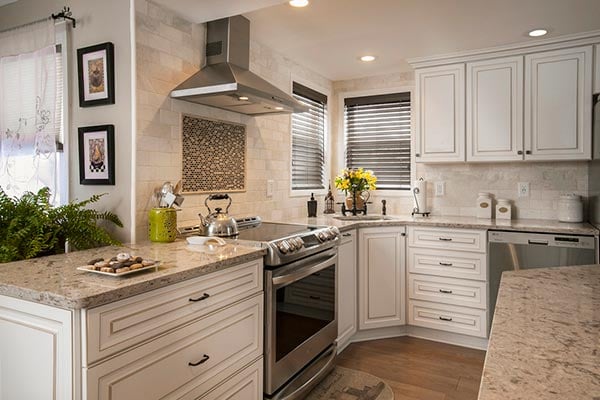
x: 300, y: 243
x: 292, y: 243
x: 296, y: 243
x: 322, y: 236
x: 333, y: 233
x: 283, y: 246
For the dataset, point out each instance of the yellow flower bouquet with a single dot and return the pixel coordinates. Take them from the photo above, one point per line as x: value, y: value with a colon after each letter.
x: 355, y: 180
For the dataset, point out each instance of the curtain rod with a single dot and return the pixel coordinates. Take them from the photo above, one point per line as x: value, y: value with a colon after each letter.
x: 65, y: 14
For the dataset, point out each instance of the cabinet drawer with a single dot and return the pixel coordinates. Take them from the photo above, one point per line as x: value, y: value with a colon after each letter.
x: 122, y: 324
x: 449, y: 239
x: 459, y: 292
x: 447, y: 263
x: 348, y: 236
x: 219, y: 344
x: 245, y: 385
x: 467, y: 321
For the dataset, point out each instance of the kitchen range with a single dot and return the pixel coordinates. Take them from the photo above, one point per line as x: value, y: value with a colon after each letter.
x: 300, y: 300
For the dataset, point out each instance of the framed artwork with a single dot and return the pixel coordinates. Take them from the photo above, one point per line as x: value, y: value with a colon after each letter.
x: 96, y: 74
x: 97, y: 155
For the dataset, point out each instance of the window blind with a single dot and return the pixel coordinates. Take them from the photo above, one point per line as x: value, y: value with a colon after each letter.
x: 378, y: 137
x: 308, y: 140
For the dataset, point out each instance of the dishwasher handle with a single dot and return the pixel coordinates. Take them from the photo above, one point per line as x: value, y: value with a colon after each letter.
x: 538, y: 242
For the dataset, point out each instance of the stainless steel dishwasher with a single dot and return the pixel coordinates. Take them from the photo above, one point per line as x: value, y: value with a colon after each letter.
x: 513, y: 251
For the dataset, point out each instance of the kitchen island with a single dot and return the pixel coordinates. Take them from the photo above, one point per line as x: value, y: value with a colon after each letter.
x: 196, y: 321
x: 545, y: 338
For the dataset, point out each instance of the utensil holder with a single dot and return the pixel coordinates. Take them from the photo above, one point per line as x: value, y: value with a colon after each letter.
x: 162, y: 225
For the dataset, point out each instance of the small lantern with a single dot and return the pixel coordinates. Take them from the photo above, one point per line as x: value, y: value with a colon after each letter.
x: 329, y: 202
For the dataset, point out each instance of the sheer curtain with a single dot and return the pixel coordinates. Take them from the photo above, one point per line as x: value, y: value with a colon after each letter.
x: 30, y: 108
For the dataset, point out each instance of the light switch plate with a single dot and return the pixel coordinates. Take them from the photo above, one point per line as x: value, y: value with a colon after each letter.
x: 440, y: 188
x: 270, y: 187
x: 523, y: 189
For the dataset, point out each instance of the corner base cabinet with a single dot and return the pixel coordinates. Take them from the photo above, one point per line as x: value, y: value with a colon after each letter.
x: 381, y: 277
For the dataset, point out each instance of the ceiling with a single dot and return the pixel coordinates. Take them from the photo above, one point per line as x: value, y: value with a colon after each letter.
x: 5, y: 2
x: 328, y: 36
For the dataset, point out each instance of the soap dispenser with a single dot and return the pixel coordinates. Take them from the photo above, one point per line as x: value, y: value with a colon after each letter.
x: 312, y: 206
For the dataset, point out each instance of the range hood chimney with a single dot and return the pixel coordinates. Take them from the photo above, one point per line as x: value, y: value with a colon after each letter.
x: 226, y: 81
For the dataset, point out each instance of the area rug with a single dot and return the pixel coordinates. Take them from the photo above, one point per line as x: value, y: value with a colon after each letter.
x: 350, y: 384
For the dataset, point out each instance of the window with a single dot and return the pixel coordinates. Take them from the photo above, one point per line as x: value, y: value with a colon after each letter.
x: 377, y: 130
x: 32, y: 117
x: 308, y: 140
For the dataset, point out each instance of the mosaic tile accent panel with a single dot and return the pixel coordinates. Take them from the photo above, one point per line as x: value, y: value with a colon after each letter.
x: 214, y: 156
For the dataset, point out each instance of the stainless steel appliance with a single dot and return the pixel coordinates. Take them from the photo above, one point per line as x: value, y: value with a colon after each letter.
x: 511, y: 251
x: 226, y: 81
x: 594, y: 168
x: 300, y: 305
x: 300, y: 302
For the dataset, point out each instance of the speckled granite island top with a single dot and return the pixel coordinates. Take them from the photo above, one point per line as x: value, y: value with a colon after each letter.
x: 526, y: 225
x: 545, y: 339
x: 55, y: 281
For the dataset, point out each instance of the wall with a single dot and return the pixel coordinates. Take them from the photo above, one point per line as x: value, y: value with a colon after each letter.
x: 97, y: 22
x: 464, y: 181
x: 168, y: 50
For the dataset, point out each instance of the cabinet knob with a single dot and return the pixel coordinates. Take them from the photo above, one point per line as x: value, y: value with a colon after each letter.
x: 417, y: 155
x: 527, y: 151
x: 520, y: 152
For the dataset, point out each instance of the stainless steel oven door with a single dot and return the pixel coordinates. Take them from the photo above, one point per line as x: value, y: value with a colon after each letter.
x: 300, y: 313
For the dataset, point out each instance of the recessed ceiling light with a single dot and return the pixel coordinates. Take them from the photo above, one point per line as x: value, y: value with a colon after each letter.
x: 298, y: 3
x: 367, y: 58
x: 243, y: 98
x: 279, y: 108
x: 537, y: 32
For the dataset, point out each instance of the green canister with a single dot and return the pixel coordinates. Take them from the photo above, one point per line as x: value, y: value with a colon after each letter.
x: 162, y: 224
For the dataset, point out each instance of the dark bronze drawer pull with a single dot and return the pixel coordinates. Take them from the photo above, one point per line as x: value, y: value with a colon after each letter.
x: 445, y: 291
x: 445, y: 264
x: 314, y: 297
x: 443, y: 239
x: 346, y: 234
x: 446, y: 319
x: 204, y: 359
x: 203, y: 297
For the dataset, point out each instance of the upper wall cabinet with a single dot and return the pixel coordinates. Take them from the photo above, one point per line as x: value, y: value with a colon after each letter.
x: 495, y: 109
x: 440, y: 120
x: 558, y: 104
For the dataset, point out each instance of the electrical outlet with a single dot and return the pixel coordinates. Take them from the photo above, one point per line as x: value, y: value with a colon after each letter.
x: 270, y: 187
x: 440, y: 188
x: 523, y: 189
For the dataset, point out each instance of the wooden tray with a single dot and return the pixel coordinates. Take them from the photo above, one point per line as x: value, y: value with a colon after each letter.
x: 154, y: 266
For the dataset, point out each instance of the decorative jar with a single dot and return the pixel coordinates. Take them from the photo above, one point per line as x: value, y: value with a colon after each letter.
x: 570, y: 208
x: 503, y: 209
x: 484, y: 205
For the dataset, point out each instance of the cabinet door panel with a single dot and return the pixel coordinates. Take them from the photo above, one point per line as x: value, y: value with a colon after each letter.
x: 558, y: 97
x: 495, y: 110
x: 346, y: 288
x: 439, y: 122
x: 381, y: 277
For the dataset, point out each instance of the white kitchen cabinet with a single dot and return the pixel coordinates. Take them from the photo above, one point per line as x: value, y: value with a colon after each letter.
x: 381, y: 279
x: 444, y: 317
x: 597, y: 69
x: 558, y: 104
x: 35, y: 351
x: 185, y: 363
x: 347, y: 289
x: 495, y: 109
x: 440, y: 120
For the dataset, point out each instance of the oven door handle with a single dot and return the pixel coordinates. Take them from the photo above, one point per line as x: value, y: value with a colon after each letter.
x: 283, y: 280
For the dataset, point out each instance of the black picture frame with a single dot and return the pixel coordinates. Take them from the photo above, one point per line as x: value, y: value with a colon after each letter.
x: 97, y: 79
x: 97, y: 155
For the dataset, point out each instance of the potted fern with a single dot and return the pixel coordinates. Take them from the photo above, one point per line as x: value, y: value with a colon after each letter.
x: 32, y: 227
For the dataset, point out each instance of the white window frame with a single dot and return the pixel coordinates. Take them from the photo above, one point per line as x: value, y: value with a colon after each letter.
x: 326, y: 138
x: 62, y: 39
x: 342, y: 142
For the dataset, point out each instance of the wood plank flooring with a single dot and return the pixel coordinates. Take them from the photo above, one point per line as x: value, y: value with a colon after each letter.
x: 418, y: 369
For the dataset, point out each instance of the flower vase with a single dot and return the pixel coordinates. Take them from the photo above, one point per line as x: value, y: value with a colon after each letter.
x: 360, y: 200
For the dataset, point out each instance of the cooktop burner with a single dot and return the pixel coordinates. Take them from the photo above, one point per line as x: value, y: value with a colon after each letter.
x: 269, y: 231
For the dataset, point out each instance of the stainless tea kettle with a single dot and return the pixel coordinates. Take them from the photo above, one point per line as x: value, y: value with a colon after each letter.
x: 218, y: 223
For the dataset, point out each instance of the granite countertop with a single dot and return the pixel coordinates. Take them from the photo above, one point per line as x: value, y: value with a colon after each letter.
x: 527, y: 225
x: 55, y: 281
x: 545, y: 338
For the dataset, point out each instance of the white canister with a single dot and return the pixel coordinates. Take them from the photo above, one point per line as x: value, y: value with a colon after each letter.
x: 570, y: 208
x: 503, y: 209
x: 484, y: 205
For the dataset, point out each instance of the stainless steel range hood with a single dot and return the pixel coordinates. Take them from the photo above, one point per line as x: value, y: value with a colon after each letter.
x: 226, y: 81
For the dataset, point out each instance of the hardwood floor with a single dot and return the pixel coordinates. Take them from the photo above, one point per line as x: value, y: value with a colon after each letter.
x: 418, y: 369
